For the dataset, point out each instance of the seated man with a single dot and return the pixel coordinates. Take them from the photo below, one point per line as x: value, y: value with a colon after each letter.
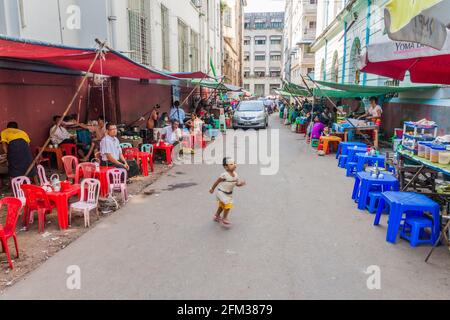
x: 61, y: 136
x: 172, y: 134
x: 98, y: 131
x: 111, y: 152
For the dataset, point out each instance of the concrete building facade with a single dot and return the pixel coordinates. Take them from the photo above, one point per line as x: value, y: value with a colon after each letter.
x: 344, y: 30
x: 171, y: 35
x: 300, y: 32
x: 263, y: 52
x: 233, y: 37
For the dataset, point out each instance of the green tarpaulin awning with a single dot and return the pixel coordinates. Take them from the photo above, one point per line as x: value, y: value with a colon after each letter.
x: 364, y: 91
x: 288, y: 94
x: 342, y: 94
x: 295, y: 90
x: 211, y: 84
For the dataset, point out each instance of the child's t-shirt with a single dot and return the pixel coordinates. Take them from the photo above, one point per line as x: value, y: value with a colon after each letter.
x: 225, y: 188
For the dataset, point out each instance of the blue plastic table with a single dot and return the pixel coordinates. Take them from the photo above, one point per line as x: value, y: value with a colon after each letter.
x: 400, y: 203
x: 352, y: 153
x: 344, y: 146
x: 364, y: 182
x: 364, y: 159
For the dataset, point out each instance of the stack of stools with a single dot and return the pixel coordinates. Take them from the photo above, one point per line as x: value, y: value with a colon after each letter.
x: 342, y: 152
x: 410, y: 208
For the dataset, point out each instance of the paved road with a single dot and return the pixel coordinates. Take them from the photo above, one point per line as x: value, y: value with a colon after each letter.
x: 296, y: 235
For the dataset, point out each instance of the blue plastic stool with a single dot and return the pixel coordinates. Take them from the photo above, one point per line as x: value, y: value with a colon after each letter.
x: 342, y: 161
x: 407, y: 204
x: 374, y: 199
x: 351, y: 169
x: 414, y: 231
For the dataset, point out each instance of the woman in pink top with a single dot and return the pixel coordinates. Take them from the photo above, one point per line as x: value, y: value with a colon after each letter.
x: 317, y: 129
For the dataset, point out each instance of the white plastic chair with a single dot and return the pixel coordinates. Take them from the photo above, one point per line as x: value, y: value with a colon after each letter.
x: 90, y: 191
x: 117, y: 181
x: 42, y: 177
x: 16, y: 184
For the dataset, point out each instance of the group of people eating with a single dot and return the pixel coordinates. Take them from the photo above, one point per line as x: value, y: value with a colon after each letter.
x: 98, y: 139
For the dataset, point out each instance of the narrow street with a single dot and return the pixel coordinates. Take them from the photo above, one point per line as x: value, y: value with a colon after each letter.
x: 295, y: 235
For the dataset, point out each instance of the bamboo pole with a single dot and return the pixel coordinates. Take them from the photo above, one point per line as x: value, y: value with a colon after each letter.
x: 41, y: 150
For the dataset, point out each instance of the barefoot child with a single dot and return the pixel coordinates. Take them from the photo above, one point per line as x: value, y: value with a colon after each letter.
x: 226, y: 183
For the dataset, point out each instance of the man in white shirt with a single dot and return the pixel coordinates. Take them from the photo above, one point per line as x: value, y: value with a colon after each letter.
x: 110, y: 149
x: 172, y: 134
x: 61, y: 135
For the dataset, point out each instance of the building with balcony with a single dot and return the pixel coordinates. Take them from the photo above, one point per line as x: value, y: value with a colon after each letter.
x: 299, y: 33
x: 263, y: 52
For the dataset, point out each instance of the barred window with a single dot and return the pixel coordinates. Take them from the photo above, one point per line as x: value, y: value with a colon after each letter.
x: 183, y: 47
x: 139, y: 32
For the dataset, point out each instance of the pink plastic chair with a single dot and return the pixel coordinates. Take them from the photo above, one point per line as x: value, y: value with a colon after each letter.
x: 117, y: 181
x: 9, y: 230
x: 16, y: 184
x: 90, y: 191
x: 86, y: 171
x: 70, y: 166
x: 42, y: 177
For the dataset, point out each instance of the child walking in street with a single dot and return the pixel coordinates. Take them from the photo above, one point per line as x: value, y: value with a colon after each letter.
x: 225, y: 185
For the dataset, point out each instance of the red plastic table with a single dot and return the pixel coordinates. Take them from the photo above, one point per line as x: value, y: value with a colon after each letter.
x: 61, y: 201
x: 102, y: 175
x: 145, y: 158
x: 167, y: 148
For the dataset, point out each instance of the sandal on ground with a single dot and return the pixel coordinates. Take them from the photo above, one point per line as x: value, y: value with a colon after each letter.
x: 217, y: 218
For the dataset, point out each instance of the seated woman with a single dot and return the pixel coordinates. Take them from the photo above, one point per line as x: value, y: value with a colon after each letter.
x: 317, y: 128
x: 374, y: 113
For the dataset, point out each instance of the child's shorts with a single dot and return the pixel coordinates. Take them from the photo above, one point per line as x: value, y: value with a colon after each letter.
x: 224, y: 206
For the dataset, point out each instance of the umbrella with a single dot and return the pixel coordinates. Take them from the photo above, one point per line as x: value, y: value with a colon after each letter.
x: 394, y: 59
x: 421, y: 21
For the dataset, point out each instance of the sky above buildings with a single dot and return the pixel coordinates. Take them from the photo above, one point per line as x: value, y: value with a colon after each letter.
x: 265, y: 5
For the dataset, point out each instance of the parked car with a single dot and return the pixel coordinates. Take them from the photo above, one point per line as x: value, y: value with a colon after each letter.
x: 251, y: 114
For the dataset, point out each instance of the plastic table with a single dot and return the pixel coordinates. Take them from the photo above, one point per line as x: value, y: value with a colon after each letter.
x: 345, y: 146
x: 61, y: 201
x: 326, y: 140
x: 102, y: 175
x: 145, y: 158
x: 363, y: 159
x: 364, y: 182
x: 167, y: 148
x: 352, y: 153
x: 400, y: 203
